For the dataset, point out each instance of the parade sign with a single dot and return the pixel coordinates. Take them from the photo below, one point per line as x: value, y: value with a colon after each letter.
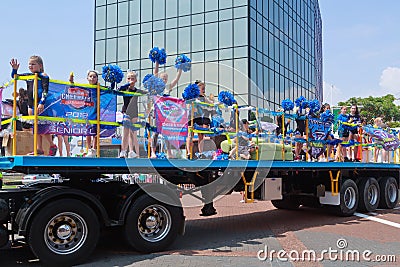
x: 318, y: 134
x: 76, y: 102
x: 382, y: 137
x: 171, y: 119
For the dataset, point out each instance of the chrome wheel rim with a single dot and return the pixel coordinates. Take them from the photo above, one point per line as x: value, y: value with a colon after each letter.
x: 154, y: 223
x: 372, y: 193
x: 392, y: 192
x: 65, y: 233
x: 349, y: 197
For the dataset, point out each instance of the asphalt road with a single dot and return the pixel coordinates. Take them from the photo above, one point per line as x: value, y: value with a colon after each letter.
x: 241, y: 234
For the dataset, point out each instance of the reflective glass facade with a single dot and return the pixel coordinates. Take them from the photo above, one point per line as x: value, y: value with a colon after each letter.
x: 276, y: 43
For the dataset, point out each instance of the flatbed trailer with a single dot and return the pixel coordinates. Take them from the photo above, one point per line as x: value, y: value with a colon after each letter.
x: 62, y: 222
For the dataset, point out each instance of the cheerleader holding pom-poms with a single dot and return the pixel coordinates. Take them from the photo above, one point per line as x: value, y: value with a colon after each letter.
x: 159, y: 57
x: 184, y: 63
x: 112, y: 74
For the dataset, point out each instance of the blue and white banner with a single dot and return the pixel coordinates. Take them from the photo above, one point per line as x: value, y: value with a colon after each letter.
x: 77, y: 102
x: 382, y: 137
x: 318, y: 134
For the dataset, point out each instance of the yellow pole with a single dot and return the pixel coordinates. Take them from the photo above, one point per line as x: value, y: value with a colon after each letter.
x: 14, y: 122
x: 257, y: 132
x: 237, y: 130
x: 283, y: 136
x: 191, y: 133
x: 98, y: 121
x: 149, y: 135
x: 35, y: 111
x: 306, y: 139
x: 394, y: 156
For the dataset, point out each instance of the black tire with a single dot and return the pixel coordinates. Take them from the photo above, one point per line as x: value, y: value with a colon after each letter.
x: 64, y: 232
x: 389, y: 193
x: 163, y: 224
x: 287, y: 203
x: 369, y: 194
x: 348, y: 198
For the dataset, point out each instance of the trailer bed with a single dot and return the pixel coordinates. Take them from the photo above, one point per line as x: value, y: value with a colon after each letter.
x: 63, y: 165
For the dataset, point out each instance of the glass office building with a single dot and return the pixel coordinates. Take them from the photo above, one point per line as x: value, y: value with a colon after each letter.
x: 262, y: 50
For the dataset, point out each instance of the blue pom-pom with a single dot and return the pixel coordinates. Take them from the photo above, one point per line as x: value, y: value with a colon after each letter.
x: 222, y: 157
x: 287, y: 105
x: 300, y: 100
x: 146, y: 77
x: 314, y: 106
x: 162, y: 57
x: 153, y: 55
x: 191, y: 91
x: 112, y: 74
x: 216, y: 121
x: 226, y: 98
x: 183, y: 62
x: 158, y: 55
x: 161, y: 155
x: 327, y: 116
x: 153, y: 84
x: 305, y: 104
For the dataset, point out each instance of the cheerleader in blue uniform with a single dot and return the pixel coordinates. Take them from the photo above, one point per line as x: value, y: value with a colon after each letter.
x: 36, y: 66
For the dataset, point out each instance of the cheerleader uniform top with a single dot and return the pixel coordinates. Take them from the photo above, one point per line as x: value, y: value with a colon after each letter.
x: 130, y: 106
x: 342, y: 118
x: 43, y: 87
x: 356, y: 119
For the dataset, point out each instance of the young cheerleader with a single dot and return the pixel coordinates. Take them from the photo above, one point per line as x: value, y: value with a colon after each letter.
x: 343, y: 133
x: 354, y: 118
x: 93, y: 78
x: 168, y: 89
x: 36, y: 65
x: 130, y: 110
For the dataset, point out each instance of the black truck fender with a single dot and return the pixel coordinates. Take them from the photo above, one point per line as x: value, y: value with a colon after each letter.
x: 27, y: 211
x: 160, y: 192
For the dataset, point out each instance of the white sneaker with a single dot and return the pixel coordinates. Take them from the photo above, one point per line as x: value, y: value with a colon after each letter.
x: 123, y: 154
x: 132, y: 155
x: 91, y: 153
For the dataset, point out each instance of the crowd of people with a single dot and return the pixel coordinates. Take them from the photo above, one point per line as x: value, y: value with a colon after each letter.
x: 349, y: 134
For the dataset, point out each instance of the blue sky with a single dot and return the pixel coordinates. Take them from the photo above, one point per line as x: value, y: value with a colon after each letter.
x: 62, y: 34
x: 361, y: 42
x: 361, y: 48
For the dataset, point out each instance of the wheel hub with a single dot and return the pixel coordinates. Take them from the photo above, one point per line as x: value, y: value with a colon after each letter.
x: 151, y: 222
x: 349, y: 198
x: 65, y: 233
x: 392, y: 192
x: 154, y: 223
x: 372, y: 194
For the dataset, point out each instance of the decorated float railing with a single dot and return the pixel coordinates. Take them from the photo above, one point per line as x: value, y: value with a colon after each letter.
x: 76, y: 110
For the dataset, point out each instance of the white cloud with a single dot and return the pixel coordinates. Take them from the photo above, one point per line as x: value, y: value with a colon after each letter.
x: 390, y: 81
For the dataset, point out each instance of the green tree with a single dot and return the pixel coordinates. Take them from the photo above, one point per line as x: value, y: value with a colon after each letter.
x: 372, y: 107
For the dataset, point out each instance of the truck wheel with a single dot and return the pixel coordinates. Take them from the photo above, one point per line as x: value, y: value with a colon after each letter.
x: 64, y: 232
x: 287, y: 203
x: 389, y: 193
x: 151, y: 225
x: 348, y: 198
x: 369, y: 194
